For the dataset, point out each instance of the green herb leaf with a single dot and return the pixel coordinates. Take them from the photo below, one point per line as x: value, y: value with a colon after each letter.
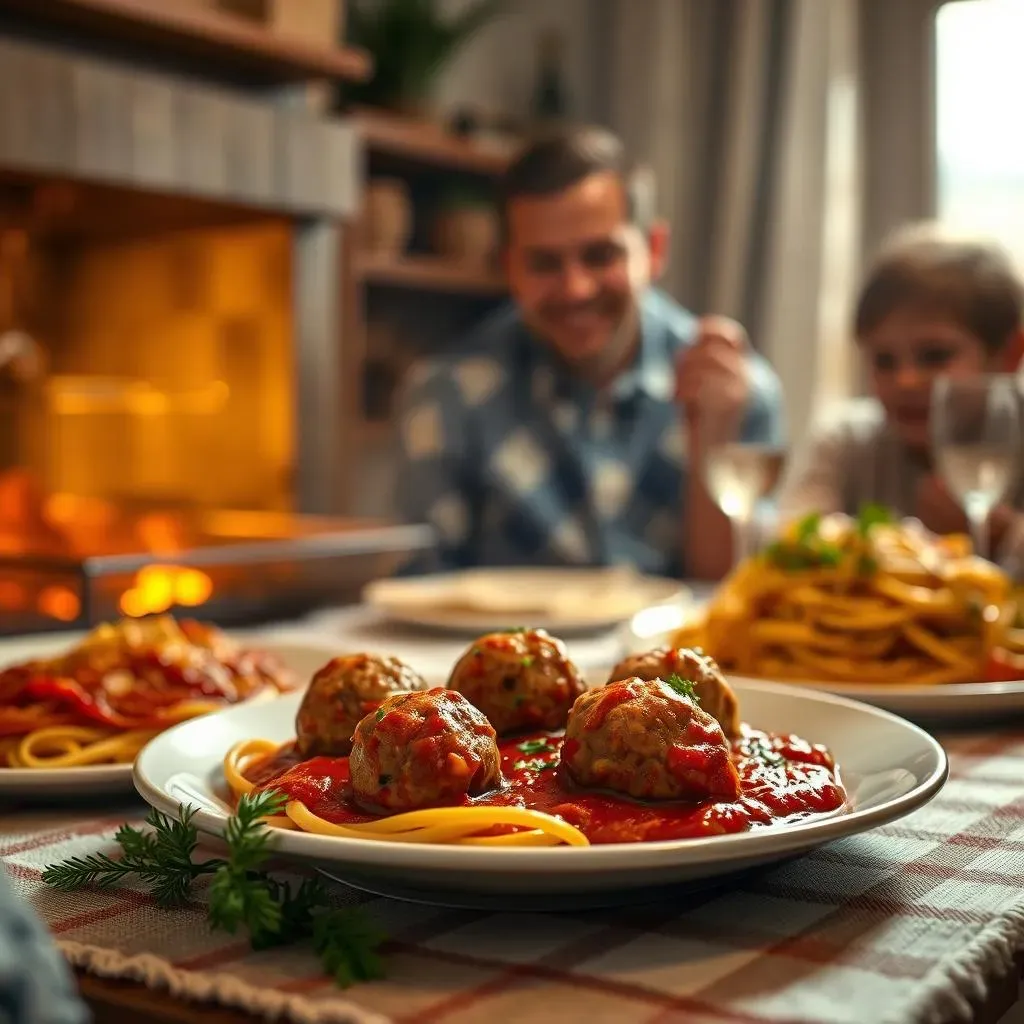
x: 242, y: 896
x: 536, y: 747
x: 760, y: 749
x: 808, y: 527
x: 347, y: 944
x: 537, y: 764
x: 162, y: 859
x: 527, y: 660
x: 683, y: 687
x: 872, y: 515
x: 380, y: 714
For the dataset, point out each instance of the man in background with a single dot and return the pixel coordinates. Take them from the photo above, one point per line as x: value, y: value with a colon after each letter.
x: 566, y: 430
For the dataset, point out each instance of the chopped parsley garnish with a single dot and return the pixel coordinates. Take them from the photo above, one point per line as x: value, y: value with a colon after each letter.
x: 807, y: 528
x: 761, y: 750
x: 872, y: 515
x: 536, y: 747
x: 537, y: 764
x: 527, y: 660
x: 683, y: 687
x: 380, y: 714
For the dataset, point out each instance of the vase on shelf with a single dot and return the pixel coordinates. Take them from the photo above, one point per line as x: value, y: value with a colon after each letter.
x: 387, y: 218
x: 467, y: 235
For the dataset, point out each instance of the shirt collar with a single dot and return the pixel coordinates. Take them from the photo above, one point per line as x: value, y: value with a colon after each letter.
x: 652, y: 372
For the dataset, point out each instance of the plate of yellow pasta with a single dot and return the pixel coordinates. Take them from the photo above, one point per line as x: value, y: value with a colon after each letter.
x: 73, y: 716
x: 874, y: 609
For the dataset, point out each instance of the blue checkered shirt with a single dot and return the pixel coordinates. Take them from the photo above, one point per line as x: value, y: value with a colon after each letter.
x: 515, y: 461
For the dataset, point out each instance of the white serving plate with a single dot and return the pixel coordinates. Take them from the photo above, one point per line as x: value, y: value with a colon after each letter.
x: 56, y: 783
x: 949, y: 704
x: 562, y: 601
x: 889, y: 767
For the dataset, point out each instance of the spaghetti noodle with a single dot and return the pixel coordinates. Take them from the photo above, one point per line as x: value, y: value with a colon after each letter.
x: 458, y: 825
x: 103, y: 700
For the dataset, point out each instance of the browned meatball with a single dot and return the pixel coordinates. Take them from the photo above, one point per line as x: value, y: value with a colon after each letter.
x: 519, y: 680
x: 423, y: 749
x: 341, y: 693
x: 643, y: 738
x: 715, y: 695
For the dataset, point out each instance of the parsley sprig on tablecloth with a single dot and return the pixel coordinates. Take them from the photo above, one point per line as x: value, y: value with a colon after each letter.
x: 242, y: 894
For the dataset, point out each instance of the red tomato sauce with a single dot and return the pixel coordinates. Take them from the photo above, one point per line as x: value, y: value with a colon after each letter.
x: 782, y: 779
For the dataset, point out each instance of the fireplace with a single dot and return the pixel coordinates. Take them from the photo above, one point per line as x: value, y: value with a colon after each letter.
x: 170, y: 368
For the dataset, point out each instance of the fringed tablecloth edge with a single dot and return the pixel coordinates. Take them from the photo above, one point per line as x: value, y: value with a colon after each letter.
x: 949, y: 987
x: 202, y: 986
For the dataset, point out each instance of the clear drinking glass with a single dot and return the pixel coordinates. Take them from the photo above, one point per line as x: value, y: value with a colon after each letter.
x: 976, y: 440
x: 738, y: 474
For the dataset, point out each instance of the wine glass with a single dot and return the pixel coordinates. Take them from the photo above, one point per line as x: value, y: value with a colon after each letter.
x: 738, y: 473
x: 976, y: 437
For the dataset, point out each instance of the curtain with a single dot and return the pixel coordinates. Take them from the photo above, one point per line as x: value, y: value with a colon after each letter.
x: 748, y: 113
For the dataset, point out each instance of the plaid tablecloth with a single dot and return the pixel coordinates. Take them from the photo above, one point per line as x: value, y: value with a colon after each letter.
x: 904, y: 924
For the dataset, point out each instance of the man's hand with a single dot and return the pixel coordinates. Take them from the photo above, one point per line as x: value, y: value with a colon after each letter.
x: 713, y: 373
x: 937, y: 509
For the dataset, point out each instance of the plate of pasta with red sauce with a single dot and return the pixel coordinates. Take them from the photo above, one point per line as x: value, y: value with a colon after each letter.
x: 73, y: 717
x: 519, y: 777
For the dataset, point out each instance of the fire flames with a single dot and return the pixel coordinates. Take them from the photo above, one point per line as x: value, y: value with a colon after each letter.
x: 33, y: 523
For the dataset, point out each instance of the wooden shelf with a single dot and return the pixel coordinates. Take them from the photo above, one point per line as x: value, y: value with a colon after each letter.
x: 374, y: 431
x: 427, y: 273
x: 428, y: 144
x: 210, y: 34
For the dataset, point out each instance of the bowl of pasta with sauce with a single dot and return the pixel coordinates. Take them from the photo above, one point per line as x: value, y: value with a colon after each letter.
x: 77, y: 719
x: 517, y: 776
x: 870, y: 608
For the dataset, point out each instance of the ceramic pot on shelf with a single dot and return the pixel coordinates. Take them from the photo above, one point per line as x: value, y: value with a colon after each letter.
x: 467, y: 235
x: 387, y: 221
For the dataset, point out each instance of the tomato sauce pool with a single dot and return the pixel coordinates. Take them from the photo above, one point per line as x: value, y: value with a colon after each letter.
x: 782, y: 779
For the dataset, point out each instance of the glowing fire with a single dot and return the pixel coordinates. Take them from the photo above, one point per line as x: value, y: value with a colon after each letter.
x: 159, y: 587
x: 69, y: 524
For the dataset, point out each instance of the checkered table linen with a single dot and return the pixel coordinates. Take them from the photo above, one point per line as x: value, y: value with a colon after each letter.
x: 907, y: 923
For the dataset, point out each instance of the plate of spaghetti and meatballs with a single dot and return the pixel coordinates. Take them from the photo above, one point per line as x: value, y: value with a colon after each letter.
x: 518, y: 776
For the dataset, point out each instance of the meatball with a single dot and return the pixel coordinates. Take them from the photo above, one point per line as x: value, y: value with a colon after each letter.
x: 519, y: 680
x: 643, y: 738
x: 423, y: 749
x: 341, y: 693
x: 715, y: 695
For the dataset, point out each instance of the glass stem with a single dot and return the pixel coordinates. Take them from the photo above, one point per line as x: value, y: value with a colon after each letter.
x: 977, y: 516
x: 740, y: 538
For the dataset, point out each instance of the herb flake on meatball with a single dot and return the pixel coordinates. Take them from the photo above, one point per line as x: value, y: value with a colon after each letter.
x: 714, y: 693
x: 647, y: 740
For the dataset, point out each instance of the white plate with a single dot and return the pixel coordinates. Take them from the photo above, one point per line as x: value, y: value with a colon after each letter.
x: 51, y: 783
x: 558, y: 600
x: 951, y: 704
x: 889, y: 767
x: 948, y: 704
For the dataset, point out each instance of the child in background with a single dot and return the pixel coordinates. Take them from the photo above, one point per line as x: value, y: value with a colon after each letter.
x: 931, y: 305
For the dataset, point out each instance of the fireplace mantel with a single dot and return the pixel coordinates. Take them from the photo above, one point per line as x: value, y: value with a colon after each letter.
x: 89, y: 118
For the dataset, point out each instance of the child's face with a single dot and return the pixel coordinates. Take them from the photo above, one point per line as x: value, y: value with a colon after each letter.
x: 905, y: 353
